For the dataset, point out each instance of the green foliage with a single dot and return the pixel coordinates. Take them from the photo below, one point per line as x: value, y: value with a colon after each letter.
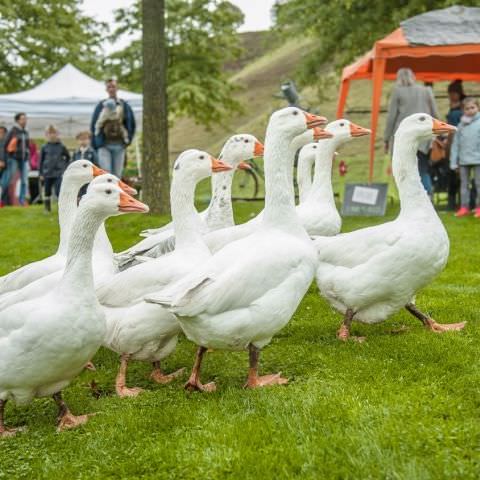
x: 403, y: 405
x: 40, y: 37
x: 201, y: 37
x: 346, y: 28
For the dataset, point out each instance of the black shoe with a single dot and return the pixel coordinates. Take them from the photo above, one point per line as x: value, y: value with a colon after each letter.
x: 48, y: 205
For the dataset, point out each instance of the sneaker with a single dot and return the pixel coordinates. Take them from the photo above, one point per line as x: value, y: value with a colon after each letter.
x: 462, y: 212
x: 476, y: 213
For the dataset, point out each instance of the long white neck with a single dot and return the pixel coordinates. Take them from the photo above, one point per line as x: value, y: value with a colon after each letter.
x: 220, y: 210
x: 186, y: 221
x: 279, y: 193
x: 322, y: 189
x: 78, y: 276
x: 304, y: 176
x: 414, y: 200
x: 67, y: 207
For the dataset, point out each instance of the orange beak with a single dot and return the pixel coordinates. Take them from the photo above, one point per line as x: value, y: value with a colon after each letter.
x: 98, y: 171
x: 358, y: 131
x: 320, y: 134
x: 259, y: 149
x: 219, y: 166
x: 130, y: 204
x: 244, y: 166
x: 314, y: 120
x: 127, y: 188
x: 440, y: 127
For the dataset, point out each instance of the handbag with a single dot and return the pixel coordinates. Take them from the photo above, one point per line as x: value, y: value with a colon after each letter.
x: 12, y: 145
x: 439, y: 150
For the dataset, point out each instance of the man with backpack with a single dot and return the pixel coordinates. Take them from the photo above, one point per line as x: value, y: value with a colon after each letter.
x: 112, y: 128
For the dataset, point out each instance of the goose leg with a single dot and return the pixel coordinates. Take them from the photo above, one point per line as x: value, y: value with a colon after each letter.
x: 194, y: 380
x: 120, y: 382
x: 254, y: 380
x: 158, y: 376
x: 4, y: 431
x: 430, y: 323
x: 344, y: 330
x: 66, y: 419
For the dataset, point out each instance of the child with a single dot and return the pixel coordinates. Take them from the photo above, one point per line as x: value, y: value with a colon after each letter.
x: 465, y: 154
x: 85, y: 152
x: 54, y: 159
x: 111, y: 121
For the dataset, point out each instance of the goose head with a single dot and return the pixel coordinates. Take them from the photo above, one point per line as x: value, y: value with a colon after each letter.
x: 111, y: 179
x: 292, y: 121
x: 344, y: 130
x: 197, y: 165
x: 81, y: 172
x: 421, y: 126
x: 307, y: 153
x: 108, y: 199
x: 239, y: 148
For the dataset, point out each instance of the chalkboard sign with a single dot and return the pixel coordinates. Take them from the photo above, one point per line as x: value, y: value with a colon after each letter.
x: 365, y: 199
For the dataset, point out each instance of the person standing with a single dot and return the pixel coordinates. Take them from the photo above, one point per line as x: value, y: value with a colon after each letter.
x: 17, y: 151
x: 408, y: 98
x: 111, y: 134
x: 3, y: 158
x: 456, y: 95
x: 85, y: 152
x: 54, y: 159
x: 465, y: 154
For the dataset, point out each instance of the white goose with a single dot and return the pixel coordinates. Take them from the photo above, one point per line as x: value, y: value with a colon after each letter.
x: 45, y: 342
x: 219, y: 238
x: 135, y: 329
x: 76, y: 175
x: 249, y: 290
x: 218, y: 214
x: 371, y: 273
x: 104, y: 265
x: 317, y: 210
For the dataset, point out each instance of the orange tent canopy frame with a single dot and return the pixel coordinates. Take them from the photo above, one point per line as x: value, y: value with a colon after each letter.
x: 430, y: 64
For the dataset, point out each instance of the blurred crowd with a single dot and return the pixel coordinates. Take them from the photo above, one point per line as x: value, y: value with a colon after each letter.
x: 29, y: 174
x: 451, y: 163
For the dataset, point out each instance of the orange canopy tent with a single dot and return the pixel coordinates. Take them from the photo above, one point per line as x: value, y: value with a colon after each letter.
x: 430, y: 63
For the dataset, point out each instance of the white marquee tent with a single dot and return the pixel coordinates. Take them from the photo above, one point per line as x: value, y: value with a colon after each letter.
x: 66, y: 99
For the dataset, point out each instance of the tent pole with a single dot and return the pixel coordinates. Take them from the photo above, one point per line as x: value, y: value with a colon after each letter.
x: 342, y: 97
x: 378, y: 73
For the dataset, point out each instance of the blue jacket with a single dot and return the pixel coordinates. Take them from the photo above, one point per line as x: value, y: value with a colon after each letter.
x: 128, y: 122
x: 466, y: 144
x: 89, y: 154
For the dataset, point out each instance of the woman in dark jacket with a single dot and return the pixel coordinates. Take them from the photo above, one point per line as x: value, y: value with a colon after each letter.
x: 16, y: 146
x: 54, y: 159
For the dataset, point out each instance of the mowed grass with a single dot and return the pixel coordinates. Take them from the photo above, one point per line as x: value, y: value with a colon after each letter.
x: 403, y: 405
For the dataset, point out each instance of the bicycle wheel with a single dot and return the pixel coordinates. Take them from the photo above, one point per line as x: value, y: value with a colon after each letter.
x: 245, y: 185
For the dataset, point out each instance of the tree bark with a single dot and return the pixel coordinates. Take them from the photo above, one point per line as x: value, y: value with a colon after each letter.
x: 155, y: 164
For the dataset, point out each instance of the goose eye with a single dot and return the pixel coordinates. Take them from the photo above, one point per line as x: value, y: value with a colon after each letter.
x: 314, y: 146
x: 342, y: 124
x: 108, y: 192
x: 295, y: 112
x: 202, y: 157
x: 85, y: 165
x: 109, y: 180
x: 422, y: 118
x: 246, y: 141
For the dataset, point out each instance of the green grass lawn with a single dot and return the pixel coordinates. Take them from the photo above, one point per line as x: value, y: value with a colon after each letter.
x: 403, y: 405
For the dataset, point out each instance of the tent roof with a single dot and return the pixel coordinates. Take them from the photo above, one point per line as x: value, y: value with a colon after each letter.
x: 451, y: 26
x: 67, y: 84
x: 66, y: 99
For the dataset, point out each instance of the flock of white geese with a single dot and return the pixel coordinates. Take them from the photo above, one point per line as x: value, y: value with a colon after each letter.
x: 225, y: 286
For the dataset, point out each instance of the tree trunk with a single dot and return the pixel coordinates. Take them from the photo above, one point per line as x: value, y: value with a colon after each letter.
x: 155, y: 164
